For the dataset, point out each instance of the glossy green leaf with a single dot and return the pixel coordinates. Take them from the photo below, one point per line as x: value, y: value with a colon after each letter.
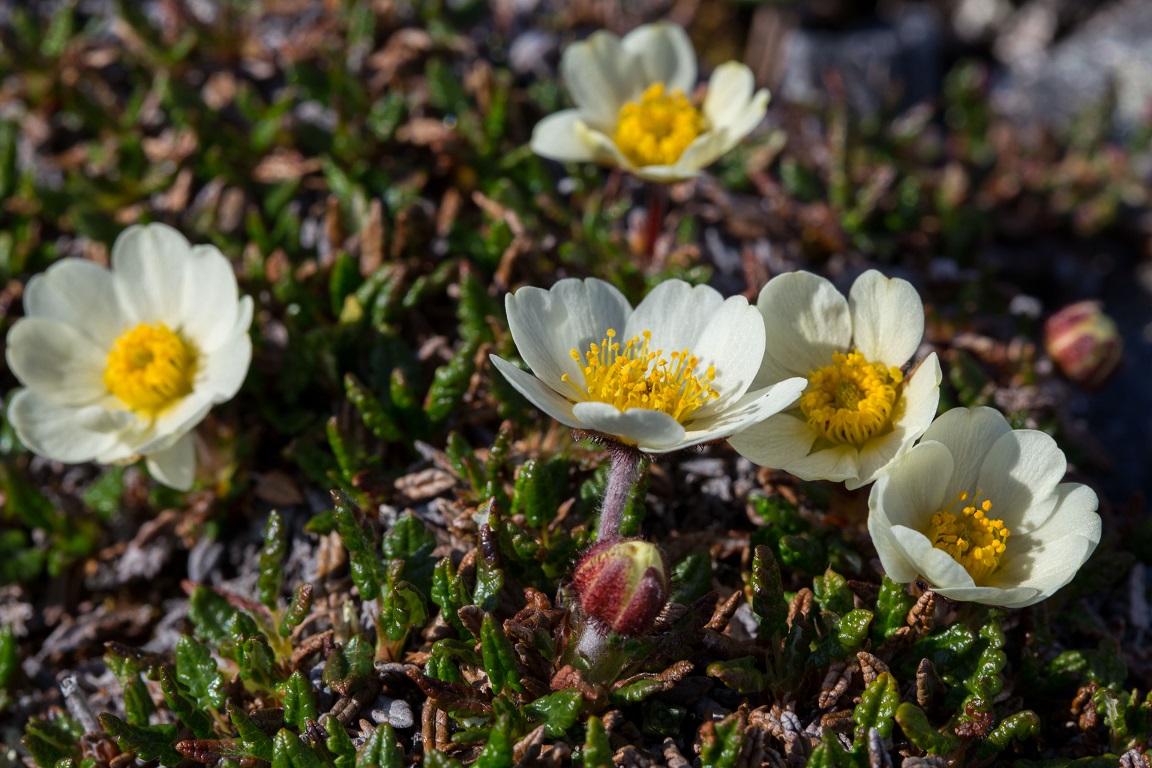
x: 197, y: 671
x: 558, y: 710
x: 272, y: 560
x: 149, y: 742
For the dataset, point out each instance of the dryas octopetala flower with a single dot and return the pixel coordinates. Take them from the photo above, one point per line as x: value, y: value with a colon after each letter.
x: 671, y: 373
x: 860, y: 410
x: 634, y: 108
x: 123, y: 363
x: 978, y: 511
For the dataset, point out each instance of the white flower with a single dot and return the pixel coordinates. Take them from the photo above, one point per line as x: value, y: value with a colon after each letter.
x: 125, y: 362
x: 672, y: 373
x: 860, y: 411
x: 978, y: 511
x: 633, y: 107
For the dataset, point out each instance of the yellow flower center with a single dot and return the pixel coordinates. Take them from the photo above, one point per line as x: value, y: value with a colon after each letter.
x: 851, y: 401
x: 632, y: 376
x: 973, y: 539
x: 658, y: 128
x: 150, y: 368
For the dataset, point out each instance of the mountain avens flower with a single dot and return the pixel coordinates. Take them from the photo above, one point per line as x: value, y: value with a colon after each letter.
x: 671, y: 373
x: 978, y: 511
x: 860, y: 409
x: 123, y: 363
x: 634, y: 106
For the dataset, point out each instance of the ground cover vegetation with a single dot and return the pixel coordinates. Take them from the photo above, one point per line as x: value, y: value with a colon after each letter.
x: 368, y: 536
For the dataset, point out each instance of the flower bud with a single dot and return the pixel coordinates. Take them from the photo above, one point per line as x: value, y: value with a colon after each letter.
x: 622, y: 584
x: 1085, y: 344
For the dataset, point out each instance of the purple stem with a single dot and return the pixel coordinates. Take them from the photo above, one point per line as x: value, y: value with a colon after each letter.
x: 622, y: 477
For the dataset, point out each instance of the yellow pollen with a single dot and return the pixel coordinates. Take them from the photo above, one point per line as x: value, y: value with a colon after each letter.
x: 973, y: 539
x: 630, y: 375
x: 658, y: 128
x: 150, y: 368
x: 851, y: 400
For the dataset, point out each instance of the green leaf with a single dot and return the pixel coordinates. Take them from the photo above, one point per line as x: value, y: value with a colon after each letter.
x: 877, y: 705
x: 464, y: 462
x: 436, y: 759
x: 288, y: 751
x: 916, y: 727
x: 50, y: 741
x: 197, y: 670
x: 721, y: 747
x: 832, y: 593
x: 149, y: 742
x: 741, y: 675
x: 349, y: 667
x: 1021, y: 725
x: 299, y: 701
x: 497, y: 753
x: 768, y: 603
x: 559, y: 711
x: 450, y: 382
x: 272, y: 561
x: 298, y: 611
x: 381, y: 421
x: 638, y: 690
x: 489, y: 582
x: 252, y: 737
x: 338, y: 743
x: 402, y: 607
x: 499, y: 657
x: 892, y: 606
x: 380, y: 749
x: 597, y: 749
x: 209, y: 612
x: 138, y: 703
x: 691, y: 578
x: 448, y: 592
x: 197, y: 721
x: 362, y: 559
x: 410, y: 541
x: 256, y: 661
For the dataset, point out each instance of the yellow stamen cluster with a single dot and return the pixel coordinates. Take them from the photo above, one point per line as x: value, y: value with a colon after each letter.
x: 851, y: 401
x: 658, y: 128
x: 973, y: 539
x: 633, y: 376
x: 149, y: 368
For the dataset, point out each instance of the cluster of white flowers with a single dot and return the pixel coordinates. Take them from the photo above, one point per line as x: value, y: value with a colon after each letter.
x: 822, y: 387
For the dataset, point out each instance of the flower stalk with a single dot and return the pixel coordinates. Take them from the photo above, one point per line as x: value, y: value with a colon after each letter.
x: 624, y: 473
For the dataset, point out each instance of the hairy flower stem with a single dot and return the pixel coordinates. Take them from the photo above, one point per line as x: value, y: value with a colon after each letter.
x: 627, y: 463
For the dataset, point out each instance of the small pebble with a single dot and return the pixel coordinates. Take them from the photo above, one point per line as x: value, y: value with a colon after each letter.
x: 395, y: 712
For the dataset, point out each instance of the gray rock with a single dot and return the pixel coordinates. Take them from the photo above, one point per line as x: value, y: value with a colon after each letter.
x: 395, y: 712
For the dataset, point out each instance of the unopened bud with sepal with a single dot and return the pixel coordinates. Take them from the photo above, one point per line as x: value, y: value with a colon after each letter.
x: 622, y: 584
x: 1085, y: 344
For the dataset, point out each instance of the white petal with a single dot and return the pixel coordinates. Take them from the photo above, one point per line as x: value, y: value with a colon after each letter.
x: 906, y: 496
x: 913, y: 414
x: 729, y: 91
x: 1074, y: 514
x: 211, y: 301
x: 81, y: 294
x: 914, y: 488
x: 176, y: 421
x: 225, y: 368
x: 835, y: 464
x: 543, y: 397
x: 677, y: 314
x: 1012, y: 597
x: 602, y: 148
x: 1048, y: 568
x: 650, y: 431
x: 1019, y: 475
x: 710, y: 145
x: 664, y: 55
x: 968, y: 434
x: 548, y: 325
x: 175, y: 466
x: 753, y: 408
x: 775, y: 442
x: 702, y: 152
x: 805, y: 321
x: 601, y: 77
x: 57, y: 360
x: 65, y: 433
x: 887, y: 318
x: 149, y: 266
x: 664, y: 174
x: 935, y: 565
x: 555, y: 137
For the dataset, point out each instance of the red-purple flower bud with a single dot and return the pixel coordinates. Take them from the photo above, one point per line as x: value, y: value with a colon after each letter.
x: 623, y: 584
x: 1085, y: 344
